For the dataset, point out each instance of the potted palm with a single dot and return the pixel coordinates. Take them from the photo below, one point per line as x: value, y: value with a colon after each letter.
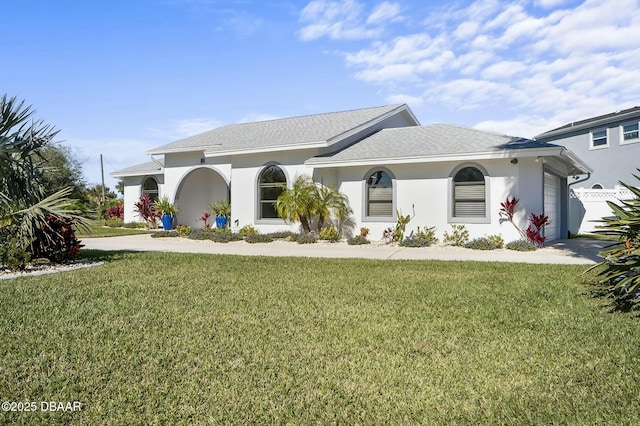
x: 222, y: 210
x: 167, y: 209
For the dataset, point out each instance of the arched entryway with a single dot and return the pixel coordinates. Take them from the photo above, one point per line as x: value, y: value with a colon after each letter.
x: 197, y: 189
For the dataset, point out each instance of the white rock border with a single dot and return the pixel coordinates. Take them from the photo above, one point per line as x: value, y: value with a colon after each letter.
x: 51, y: 268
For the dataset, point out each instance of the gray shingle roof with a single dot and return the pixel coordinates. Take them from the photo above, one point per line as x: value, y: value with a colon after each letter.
x: 428, y: 141
x: 148, y: 168
x: 318, y: 128
x: 593, y: 121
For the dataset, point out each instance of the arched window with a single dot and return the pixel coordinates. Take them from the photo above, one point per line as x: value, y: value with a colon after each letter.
x: 596, y: 186
x: 380, y: 194
x: 271, y: 183
x: 469, y: 194
x: 150, y: 186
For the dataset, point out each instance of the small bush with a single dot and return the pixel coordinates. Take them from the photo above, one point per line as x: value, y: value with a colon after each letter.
x: 114, y: 223
x: 183, y: 230
x: 458, y: 237
x: 164, y: 234
x: 134, y: 225
x: 364, y: 232
x: 56, y: 240
x: 258, y: 238
x: 306, y: 239
x: 491, y: 242
x: 12, y: 256
x: 329, y: 234
x: 248, y: 230
x: 281, y: 235
x: 521, y: 245
x: 358, y: 240
x: 420, y: 238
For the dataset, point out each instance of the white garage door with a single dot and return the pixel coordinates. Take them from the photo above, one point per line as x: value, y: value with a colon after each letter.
x: 552, y: 206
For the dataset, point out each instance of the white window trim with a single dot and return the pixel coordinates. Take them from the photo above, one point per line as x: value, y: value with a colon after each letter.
x: 591, y: 146
x: 451, y: 199
x: 629, y: 141
x: 268, y: 220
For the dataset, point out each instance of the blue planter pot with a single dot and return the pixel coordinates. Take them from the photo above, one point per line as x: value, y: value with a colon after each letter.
x: 221, y: 222
x: 167, y: 222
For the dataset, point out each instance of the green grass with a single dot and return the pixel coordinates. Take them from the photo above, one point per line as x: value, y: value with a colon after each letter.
x: 98, y: 230
x: 158, y: 338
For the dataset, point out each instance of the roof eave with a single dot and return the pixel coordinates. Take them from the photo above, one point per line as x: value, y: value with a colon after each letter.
x: 588, y: 125
x: 467, y: 156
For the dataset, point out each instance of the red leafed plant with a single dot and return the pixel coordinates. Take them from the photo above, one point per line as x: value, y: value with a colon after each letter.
x: 533, y: 233
x: 144, y: 209
x: 115, y: 212
x: 205, y: 218
x: 56, y: 240
x: 508, y: 208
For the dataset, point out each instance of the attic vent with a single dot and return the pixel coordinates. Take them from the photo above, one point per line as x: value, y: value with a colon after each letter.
x: 202, y: 160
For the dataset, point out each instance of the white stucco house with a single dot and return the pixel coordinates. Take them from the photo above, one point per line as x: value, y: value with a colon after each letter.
x: 381, y: 158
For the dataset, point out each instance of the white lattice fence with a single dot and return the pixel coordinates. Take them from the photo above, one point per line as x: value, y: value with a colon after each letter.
x: 587, y: 206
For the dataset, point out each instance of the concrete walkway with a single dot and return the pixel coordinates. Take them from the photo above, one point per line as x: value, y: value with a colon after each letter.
x: 574, y: 251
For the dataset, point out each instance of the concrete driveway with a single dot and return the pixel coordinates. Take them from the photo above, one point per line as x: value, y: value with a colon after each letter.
x: 575, y: 251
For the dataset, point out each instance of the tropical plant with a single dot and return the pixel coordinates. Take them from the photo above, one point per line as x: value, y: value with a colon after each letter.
x: 144, y: 207
x: 459, y: 236
x: 221, y: 208
x: 619, y: 272
x: 328, y: 200
x: 298, y: 203
x: 248, y: 230
x: 163, y: 206
x: 329, y: 233
x: 26, y: 204
x: 396, y: 233
x: 533, y: 233
x: 205, y: 218
x: 183, y: 230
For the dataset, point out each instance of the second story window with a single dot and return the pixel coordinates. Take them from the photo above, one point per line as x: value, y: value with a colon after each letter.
x: 630, y: 132
x: 599, y: 139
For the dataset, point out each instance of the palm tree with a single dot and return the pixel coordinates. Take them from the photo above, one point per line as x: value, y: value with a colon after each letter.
x: 24, y: 206
x: 298, y: 203
x: 328, y: 200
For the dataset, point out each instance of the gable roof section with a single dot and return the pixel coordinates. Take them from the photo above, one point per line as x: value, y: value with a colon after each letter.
x: 440, y: 142
x: 600, y: 120
x: 149, y: 168
x: 310, y: 131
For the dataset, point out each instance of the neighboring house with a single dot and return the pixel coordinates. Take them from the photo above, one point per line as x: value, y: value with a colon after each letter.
x: 610, y: 144
x: 381, y: 158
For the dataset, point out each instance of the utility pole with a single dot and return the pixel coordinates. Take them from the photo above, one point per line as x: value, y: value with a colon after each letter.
x: 102, y: 171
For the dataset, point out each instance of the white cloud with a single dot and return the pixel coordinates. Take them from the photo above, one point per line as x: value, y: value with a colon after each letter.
x: 530, y: 59
x: 383, y: 12
x: 345, y: 20
x: 402, y: 98
x: 180, y: 129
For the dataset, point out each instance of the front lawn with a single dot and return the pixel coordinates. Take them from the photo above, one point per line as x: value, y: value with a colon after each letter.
x: 159, y: 338
x: 97, y: 229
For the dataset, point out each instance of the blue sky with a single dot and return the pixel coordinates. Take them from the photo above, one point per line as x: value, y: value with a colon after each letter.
x: 120, y: 77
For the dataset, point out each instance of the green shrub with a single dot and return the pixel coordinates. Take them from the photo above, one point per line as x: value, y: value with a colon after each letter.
x: 248, y: 230
x: 12, y: 256
x: 258, y: 238
x: 165, y: 234
x: 329, y: 234
x: 458, y: 237
x: 521, y: 245
x: 281, y: 235
x: 56, y: 240
x: 420, y: 238
x: 214, y: 234
x: 114, y: 223
x: 618, y: 274
x: 358, y: 240
x: 491, y: 242
x: 135, y: 225
x: 306, y: 239
x: 183, y: 230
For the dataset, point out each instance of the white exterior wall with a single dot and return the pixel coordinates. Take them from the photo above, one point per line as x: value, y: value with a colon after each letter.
x: 133, y: 192
x: 425, y: 189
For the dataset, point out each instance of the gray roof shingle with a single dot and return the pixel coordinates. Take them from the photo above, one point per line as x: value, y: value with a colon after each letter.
x: 148, y: 168
x: 428, y: 141
x: 318, y: 128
